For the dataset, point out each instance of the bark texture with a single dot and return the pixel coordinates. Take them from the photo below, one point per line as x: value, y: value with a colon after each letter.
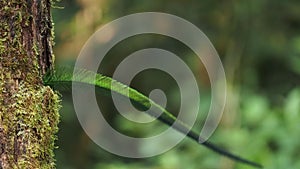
x: 28, y: 109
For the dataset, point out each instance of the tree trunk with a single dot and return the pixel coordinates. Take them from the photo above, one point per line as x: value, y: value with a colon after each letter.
x: 28, y: 110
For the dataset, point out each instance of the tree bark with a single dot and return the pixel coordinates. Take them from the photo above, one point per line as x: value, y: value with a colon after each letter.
x: 28, y: 109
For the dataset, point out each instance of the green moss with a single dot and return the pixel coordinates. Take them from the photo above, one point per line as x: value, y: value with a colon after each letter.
x: 28, y: 110
x: 31, y: 124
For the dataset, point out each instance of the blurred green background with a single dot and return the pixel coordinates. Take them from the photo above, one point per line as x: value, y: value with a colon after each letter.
x: 259, y: 44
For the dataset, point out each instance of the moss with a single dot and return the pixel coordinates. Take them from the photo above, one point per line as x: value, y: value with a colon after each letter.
x: 30, y: 123
x: 28, y: 110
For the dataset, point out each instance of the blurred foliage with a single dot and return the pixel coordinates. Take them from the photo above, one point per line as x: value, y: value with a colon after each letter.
x: 259, y: 45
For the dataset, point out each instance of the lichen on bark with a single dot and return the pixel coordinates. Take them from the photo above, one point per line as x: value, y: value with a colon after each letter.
x: 28, y: 110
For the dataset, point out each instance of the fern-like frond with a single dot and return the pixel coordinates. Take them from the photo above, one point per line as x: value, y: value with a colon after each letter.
x: 63, y: 78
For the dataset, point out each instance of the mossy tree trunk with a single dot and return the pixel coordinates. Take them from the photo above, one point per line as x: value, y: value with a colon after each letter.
x: 28, y: 109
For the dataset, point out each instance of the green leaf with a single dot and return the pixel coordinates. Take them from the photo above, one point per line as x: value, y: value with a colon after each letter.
x: 62, y: 79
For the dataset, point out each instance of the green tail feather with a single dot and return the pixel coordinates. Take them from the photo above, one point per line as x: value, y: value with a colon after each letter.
x: 63, y: 78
